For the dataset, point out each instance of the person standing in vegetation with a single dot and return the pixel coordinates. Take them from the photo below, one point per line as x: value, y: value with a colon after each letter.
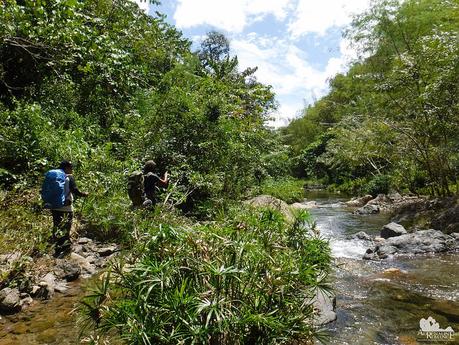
x: 63, y: 216
x: 152, y: 182
x: 142, y: 185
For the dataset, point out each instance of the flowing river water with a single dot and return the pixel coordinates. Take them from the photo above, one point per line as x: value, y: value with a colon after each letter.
x: 382, y: 302
x: 378, y: 302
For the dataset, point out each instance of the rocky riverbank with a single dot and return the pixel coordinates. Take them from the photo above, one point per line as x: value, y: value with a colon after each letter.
x: 32, y: 280
x: 394, y: 239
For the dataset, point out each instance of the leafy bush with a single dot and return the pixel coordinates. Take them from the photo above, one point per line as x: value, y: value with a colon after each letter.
x: 380, y: 184
x: 23, y: 227
x: 288, y: 189
x: 247, y: 280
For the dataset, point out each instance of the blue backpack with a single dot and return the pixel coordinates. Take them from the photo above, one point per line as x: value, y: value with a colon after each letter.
x: 52, y: 191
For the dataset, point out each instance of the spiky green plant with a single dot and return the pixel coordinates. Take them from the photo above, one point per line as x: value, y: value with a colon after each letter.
x: 247, y: 280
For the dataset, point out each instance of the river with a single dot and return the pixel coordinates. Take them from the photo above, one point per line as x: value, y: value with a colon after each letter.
x: 382, y: 302
x: 378, y: 302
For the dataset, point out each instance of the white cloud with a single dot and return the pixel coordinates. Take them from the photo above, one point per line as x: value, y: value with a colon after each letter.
x: 318, y: 16
x: 286, y: 67
x: 283, y: 65
x: 229, y: 15
x: 143, y: 4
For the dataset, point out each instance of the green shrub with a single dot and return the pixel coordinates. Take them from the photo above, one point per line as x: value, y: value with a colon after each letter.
x: 379, y: 184
x: 247, y: 280
x: 287, y: 189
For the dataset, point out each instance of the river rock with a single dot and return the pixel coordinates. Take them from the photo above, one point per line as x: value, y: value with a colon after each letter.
x: 67, y: 270
x: 46, y: 286
x: 268, y: 201
x: 10, y: 258
x: 358, y: 201
x: 420, y: 242
x: 25, y: 301
x: 106, y: 251
x: 10, y: 301
x: 304, y: 206
x: 61, y: 287
x: 361, y: 235
x: 324, y: 305
x: 83, y: 263
x: 391, y: 230
x: 368, y: 209
x: 84, y: 240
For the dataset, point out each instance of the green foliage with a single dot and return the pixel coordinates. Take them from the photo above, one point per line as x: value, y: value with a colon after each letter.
x: 396, y: 110
x: 379, y: 184
x: 24, y: 228
x: 104, y: 85
x: 249, y: 279
x: 285, y: 188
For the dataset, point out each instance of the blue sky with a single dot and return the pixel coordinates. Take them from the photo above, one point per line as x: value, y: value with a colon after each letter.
x: 296, y: 44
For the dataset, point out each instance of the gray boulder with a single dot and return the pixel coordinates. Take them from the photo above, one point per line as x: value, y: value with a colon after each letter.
x: 273, y: 203
x: 361, y: 235
x: 86, y: 266
x: 324, y: 307
x: 84, y: 240
x: 67, y: 270
x: 392, y: 230
x: 10, y: 258
x: 108, y: 250
x: 10, y: 301
x: 420, y: 242
x: 45, y: 287
x: 358, y: 202
x: 368, y: 209
x: 304, y: 206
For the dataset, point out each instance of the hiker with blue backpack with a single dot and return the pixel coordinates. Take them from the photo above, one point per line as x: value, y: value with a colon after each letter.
x: 58, y: 192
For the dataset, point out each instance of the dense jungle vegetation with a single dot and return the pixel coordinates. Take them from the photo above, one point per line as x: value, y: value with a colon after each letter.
x: 104, y: 85
x: 391, y: 121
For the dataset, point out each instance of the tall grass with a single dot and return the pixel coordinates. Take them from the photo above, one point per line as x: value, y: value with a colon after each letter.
x: 248, y: 279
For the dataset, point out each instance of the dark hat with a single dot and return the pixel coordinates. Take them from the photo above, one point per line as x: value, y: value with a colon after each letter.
x: 65, y: 164
x: 149, y: 166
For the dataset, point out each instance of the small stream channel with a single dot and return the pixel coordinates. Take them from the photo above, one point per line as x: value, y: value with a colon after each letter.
x: 382, y: 302
x: 377, y: 302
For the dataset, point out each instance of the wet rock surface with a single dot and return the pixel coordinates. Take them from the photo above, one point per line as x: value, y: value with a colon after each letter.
x: 324, y: 306
x: 419, y: 242
x: 67, y: 270
x: 358, y: 201
x: 10, y: 301
x: 52, y: 275
x: 361, y: 235
x: 392, y: 230
x: 385, y: 203
x: 304, y: 206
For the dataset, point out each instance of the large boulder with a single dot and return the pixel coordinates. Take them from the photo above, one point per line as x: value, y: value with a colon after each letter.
x: 368, y: 209
x: 420, y: 242
x: 267, y: 201
x: 392, y: 230
x: 324, y: 307
x: 67, y: 270
x: 361, y: 235
x: 358, y: 201
x: 88, y: 268
x: 10, y: 301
